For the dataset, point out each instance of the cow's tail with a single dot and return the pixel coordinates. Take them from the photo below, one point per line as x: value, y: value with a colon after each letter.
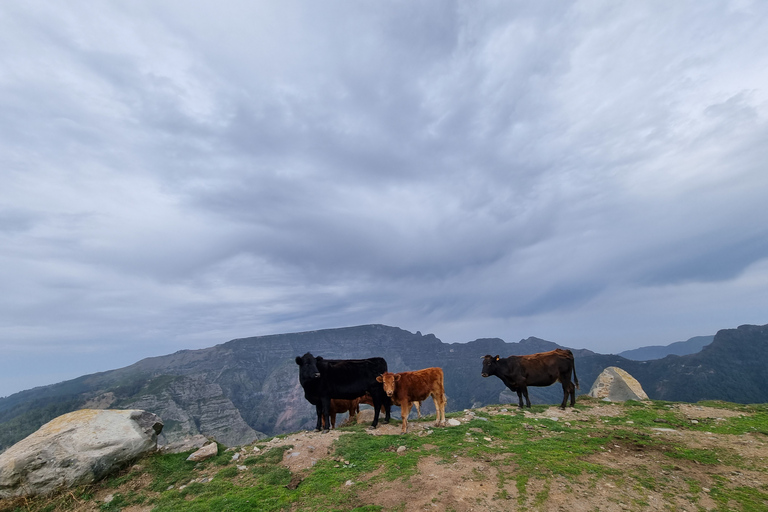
x: 575, y: 378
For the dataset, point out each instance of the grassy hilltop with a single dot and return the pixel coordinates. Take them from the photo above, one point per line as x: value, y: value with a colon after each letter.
x: 599, y: 456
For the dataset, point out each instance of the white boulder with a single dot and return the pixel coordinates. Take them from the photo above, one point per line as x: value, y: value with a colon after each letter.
x: 77, y: 448
x: 617, y: 385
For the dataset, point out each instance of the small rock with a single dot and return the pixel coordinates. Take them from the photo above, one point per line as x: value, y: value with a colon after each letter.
x: 206, y: 452
x: 487, y: 438
x: 401, y: 449
x: 349, y: 483
x: 236, y: 456
x: 695, y: 422
x: 256, y: 449
x: 242, y: 468
x: 109, y: 497
x: 453, y: 422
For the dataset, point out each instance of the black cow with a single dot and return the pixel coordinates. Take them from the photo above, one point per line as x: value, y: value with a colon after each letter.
x: 543, y: 369
x: 324, y: 379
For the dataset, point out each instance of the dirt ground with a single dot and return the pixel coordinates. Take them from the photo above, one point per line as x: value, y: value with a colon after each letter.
x: 471, y: 485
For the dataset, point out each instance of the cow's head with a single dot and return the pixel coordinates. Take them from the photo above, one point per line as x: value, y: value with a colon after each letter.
x: 388, y: 379
x: 489, y: 365
x: 308, y: 367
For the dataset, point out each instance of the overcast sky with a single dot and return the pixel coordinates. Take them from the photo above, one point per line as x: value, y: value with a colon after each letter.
x: 177, y: 174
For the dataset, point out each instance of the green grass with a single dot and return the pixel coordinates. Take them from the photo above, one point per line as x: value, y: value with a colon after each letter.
x: 527, y: 456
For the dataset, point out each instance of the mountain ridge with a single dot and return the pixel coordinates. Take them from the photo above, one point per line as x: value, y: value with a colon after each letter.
x: 247, y: 388
x: 678, y: 348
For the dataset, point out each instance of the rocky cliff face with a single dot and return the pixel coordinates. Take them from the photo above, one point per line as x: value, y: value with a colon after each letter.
x: 191, y: 405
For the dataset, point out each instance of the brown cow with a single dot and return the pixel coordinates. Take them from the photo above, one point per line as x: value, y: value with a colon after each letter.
x: 543, y: 369
x: 367, y: 400
x: 404, y: 388
x: 340, y: 406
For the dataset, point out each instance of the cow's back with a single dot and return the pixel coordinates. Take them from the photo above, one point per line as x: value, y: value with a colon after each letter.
x: 351, y: 378
x: 546, y: 368
x: 418, y: 385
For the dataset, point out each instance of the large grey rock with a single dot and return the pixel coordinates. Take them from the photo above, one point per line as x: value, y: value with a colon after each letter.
x: 617, y: 385
x: 77, y: 448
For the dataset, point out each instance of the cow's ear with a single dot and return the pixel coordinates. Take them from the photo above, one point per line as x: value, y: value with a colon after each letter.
x: 319, y: 358
x: 397, y: 377
x: 497, y: 357
x: 379, y: 379
x: 298, y: 360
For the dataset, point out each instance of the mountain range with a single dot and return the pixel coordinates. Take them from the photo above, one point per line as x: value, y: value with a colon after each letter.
x: 248, y: 388
x: 679, y: 348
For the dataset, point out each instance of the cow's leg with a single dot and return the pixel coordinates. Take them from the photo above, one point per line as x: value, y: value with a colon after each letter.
x: 326, y: 414
x: 319, y: 409
x: 376, y: 409
x: 387, y: 403
x: 418, y: 408
x: 566, y: 392
x: 333, y: 420
x: 520, y: 398
x: 525, y: 394
x: 405, y: 411
x: 439, y: 400
x: 572, y: 387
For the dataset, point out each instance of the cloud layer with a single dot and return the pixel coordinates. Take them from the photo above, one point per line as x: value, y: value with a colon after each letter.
x: 175, y: 176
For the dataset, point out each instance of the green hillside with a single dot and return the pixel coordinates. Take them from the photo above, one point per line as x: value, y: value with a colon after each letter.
x: 599, y: 456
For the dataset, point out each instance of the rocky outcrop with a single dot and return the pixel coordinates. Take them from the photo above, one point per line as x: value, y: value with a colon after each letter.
x: 617, y: 385
x: 77, y: 448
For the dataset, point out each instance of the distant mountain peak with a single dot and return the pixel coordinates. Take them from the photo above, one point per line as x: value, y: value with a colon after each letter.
x: 679, y: 348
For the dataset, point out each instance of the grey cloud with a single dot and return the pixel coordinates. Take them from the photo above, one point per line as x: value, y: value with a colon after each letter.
x: 179, y: 175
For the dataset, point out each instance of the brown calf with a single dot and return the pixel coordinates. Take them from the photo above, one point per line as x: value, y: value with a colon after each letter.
x: 340, y: 406
x: 404, y: 388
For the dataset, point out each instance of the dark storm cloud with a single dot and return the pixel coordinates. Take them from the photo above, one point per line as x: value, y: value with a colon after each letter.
x: 175, y: 175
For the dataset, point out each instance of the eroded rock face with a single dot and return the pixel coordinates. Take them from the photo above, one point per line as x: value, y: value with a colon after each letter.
x: 77, y: 448
x: 617, y: 385
x: 192, y: 405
